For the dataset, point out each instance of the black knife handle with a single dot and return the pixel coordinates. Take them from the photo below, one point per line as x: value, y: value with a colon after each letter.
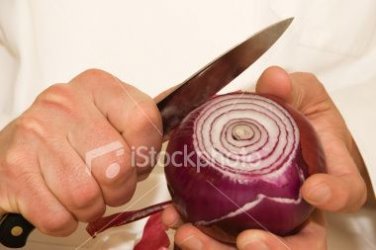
x: 14, y: 230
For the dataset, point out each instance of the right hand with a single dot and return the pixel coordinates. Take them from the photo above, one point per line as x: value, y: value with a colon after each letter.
x: 43, y: 172
x: 341, y: 189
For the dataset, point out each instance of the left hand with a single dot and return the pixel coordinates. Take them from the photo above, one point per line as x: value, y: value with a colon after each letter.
x: 344, y: 169
x: 188, y: 237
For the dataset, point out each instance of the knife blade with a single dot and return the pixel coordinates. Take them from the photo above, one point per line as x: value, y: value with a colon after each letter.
x: 15, y: 229
x: 210, y: 79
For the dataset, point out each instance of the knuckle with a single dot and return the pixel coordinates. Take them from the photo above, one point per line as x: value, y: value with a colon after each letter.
x: 95, y: 213
x: 13, y: 158
x: 93, y: 76
x: 56, y: 91
x: 94, y: 72
x: 29, y: 125
x: 312, y: 92
x: 84, y: 196
x: 60, y: 97
x: 121, y: 194
x: 57, y: 224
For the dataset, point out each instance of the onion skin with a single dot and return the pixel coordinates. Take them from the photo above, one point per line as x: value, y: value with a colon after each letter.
x: 225, y: 199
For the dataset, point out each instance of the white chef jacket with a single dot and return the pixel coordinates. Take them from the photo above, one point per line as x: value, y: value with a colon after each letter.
x: 157, y: 44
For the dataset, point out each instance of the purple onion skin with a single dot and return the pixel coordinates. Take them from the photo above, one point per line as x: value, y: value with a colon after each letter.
x: 207, y: 196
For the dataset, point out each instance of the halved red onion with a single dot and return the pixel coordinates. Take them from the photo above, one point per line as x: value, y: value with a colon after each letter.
x: 238, y: 162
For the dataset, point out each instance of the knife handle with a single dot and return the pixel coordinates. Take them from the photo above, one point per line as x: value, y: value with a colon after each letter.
x: 14, y: 230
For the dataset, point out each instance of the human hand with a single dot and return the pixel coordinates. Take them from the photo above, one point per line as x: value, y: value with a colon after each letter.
x: 45, y: 153
x: 341, y: 189
x: 188, y: 237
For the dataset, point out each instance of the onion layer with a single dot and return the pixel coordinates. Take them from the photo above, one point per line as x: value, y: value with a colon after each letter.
x: 238, y: 162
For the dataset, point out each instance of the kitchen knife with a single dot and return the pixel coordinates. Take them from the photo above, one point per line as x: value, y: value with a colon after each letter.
x: 14, y: 229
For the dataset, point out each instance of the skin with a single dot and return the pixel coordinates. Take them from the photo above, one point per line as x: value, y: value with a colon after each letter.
x: 43, y: 173
x: 342, y: 189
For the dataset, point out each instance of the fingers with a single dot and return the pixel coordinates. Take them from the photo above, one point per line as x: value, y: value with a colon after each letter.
x: 107, y: 157
x: 312, y: 236
x: 67, y: 178
x: 129, y: 111
x: 345, y: 193
x: 171, y: 218
x: 189, y: 237
x: 79, y: 128
x: 22, y: 186
x: 36, y: 203
x: 301, y: 90
x: 343, y: 188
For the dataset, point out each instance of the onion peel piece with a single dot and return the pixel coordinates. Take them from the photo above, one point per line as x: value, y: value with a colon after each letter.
x: 154, y: 236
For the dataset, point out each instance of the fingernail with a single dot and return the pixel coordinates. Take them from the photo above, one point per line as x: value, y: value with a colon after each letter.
x: 253, y: 243
x: 320, y: 193
x: 192, y: 243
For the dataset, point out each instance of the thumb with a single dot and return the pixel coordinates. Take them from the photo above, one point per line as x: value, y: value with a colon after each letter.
x: 303, y: 91
x: 312, y: 235
x: 274, y: 81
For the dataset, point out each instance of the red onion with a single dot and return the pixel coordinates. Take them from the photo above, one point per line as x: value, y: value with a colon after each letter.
x: 238, y: 162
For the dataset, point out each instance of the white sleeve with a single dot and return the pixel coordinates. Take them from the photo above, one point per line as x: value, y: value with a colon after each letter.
x: 358, y: 106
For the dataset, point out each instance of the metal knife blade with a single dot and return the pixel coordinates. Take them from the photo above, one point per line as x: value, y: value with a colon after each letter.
x: 15, y: 229
x: 213, y: 77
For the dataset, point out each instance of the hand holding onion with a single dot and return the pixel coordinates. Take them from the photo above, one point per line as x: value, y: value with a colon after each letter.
x: 342, y: 189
